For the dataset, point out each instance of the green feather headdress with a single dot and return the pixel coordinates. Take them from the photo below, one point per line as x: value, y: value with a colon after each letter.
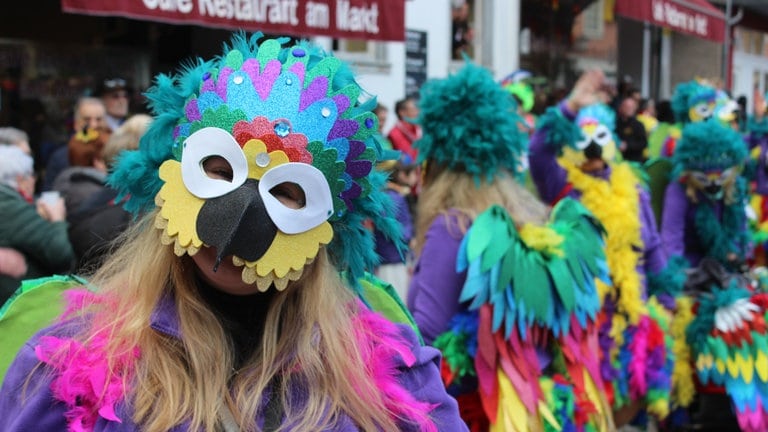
x: 470, y: 124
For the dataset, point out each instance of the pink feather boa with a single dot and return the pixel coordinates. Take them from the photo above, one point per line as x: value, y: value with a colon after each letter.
x: 638, y: 346
x: 90, y: 389
x: 83, y: 379
x: 380, y: 343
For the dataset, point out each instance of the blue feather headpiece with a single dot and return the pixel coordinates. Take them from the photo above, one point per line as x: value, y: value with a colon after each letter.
x: 470, y: 124
x: 688, y: 96
x: 708, y: 146
x: 293, y: 105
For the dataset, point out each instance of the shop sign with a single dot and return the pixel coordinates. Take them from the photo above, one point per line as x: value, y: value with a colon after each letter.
x: 348, y: 19
x: 693, y: 17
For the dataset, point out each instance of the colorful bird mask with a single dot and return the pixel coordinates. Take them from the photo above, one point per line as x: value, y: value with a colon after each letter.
x: 597, y: 123
x: 264, y: 154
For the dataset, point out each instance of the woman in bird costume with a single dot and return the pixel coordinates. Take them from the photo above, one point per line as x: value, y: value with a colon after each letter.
x: 504, y: 286
x: 572, y: 154
x: 223, y: 309
x: 704, y: 204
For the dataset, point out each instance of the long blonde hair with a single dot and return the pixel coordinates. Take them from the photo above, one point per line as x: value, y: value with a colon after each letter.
x: 446, y: 190
x: 308, y: 341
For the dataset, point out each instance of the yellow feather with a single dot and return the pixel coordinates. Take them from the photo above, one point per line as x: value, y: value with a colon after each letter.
x: 603, y: 420
x: 761, y: 366
x: 615, y: 204
x: 512, y: 416
x: 683, y: 387
x: 720, y: 366
x: 542, y: 238
x: 548, y: 416
x: 746, y: 367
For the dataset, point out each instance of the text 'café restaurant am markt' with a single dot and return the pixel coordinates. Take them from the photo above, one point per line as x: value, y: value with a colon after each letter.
x: 74, y: 44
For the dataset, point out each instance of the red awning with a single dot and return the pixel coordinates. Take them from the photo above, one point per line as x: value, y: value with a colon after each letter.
x: 350, y: 19
x: 693, y: 17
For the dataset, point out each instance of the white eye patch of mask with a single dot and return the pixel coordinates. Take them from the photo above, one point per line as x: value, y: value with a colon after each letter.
x: 319, y: 201
x: 203, y: 144
x: 211, y: 141
x: 601, y: 135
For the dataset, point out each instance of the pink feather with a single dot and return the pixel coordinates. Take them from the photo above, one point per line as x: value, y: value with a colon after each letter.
x: 84, y: 380
x: 638, y: 346
x: 380, y: 345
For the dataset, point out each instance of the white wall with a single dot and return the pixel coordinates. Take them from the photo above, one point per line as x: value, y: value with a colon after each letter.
x: 431, y: 16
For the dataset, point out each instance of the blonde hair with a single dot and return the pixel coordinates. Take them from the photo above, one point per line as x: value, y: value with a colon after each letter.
x: 126, y: 137
x: 445, y: 189
x: 308, y: 341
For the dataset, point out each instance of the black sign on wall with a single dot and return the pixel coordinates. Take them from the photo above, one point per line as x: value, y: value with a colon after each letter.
x: 415, y: 61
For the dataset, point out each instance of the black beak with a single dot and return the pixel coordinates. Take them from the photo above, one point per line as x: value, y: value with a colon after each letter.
x: 237, y: 224
x: 593, y: 151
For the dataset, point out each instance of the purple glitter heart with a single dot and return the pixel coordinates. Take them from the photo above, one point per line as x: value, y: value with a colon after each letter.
x: 343, y: 128
x: 251, y: 67
x: 300, y: 70
x: 314, y: 92
x: 192, y: 111
x: 209, y: 85
x: 221, y: 85
x: 264, y: 82
x: 359, y: 168
x: 342, y: 102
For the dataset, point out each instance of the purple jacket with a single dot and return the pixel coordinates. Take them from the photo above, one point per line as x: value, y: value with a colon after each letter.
x: 761, y: 167
x: 36, y: 410
x: 433, y: 297
x: 678, y: 226
x: 551, y: 181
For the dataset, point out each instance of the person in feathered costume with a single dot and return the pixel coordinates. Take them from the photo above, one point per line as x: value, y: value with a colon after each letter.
x: 518, y: 85
x: 572, y: 154
x: 504, y: 286
x: 757, y: 171
x: 704, y: 204
x: 224, y: 308
x: 729, y: 341
x: 692, y: 102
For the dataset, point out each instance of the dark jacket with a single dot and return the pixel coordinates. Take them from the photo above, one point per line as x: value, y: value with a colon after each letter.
x: 632, y: 132
x: 94, y: 226
x: 77, y: 184
x: 44, y: 244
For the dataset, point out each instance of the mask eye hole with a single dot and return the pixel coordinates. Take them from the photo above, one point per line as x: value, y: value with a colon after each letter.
x: 212, y: 164
x: 704, y: 111
x: 603, y: 136
x: 216, y: 167
x: 290, y: 195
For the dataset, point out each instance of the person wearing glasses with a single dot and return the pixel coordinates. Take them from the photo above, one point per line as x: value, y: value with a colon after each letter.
x: 116, y: 95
